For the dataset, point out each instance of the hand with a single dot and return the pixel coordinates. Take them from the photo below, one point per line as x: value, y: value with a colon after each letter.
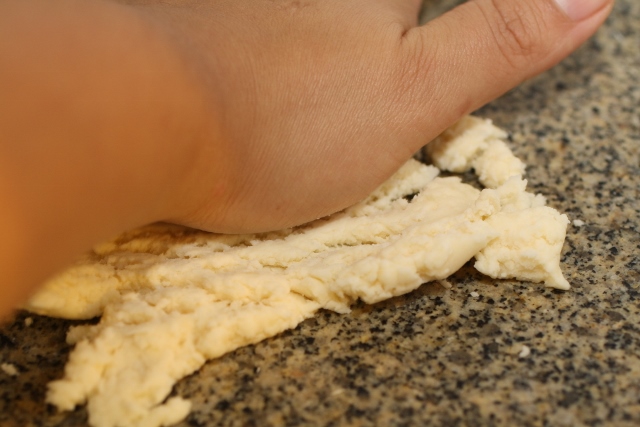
x: 235, y: 115
x: 319, y: 101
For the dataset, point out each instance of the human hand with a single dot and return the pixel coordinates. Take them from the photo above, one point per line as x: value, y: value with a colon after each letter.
x: 235, y: 115
x: 320, y: 101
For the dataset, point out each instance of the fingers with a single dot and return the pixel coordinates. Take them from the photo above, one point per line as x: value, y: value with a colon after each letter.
x: 484, y: 48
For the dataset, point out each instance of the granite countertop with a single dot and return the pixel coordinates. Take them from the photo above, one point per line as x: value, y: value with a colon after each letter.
x: 448, y: 357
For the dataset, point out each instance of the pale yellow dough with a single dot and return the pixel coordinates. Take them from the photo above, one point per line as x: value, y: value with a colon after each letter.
x: 171, y: 298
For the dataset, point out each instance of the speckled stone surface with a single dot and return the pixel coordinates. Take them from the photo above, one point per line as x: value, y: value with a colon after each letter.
x: 446, y: 357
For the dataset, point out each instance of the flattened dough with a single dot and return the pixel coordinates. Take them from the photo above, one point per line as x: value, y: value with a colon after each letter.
x: 171, y: 298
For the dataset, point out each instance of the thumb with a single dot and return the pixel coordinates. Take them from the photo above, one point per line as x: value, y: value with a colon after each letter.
x: 483, y: 48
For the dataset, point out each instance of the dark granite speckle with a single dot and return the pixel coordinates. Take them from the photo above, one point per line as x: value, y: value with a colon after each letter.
x: 439, y: 356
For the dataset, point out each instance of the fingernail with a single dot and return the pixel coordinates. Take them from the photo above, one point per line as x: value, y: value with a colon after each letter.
x: 578, y: 10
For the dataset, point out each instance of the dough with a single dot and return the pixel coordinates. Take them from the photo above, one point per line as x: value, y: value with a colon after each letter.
x: 478, y: 144
x: 9, y: 369
x: 171, y: 298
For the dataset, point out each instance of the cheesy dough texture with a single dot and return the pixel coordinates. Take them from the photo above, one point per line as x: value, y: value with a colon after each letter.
x: 170, y: 298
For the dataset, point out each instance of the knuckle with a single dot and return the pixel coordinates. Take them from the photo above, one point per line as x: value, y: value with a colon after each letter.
x: 515, y: 29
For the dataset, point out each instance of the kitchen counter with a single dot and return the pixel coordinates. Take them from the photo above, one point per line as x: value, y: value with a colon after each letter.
x: 483, y: 352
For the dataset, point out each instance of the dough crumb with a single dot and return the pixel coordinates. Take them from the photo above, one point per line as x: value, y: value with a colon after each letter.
x: 337, y: 392
x: 524, y: 352
x: 9, y: 369
x: 445, y: 284
x: 28, y: 321
x: 578, y: 223
x: 474, y: 294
